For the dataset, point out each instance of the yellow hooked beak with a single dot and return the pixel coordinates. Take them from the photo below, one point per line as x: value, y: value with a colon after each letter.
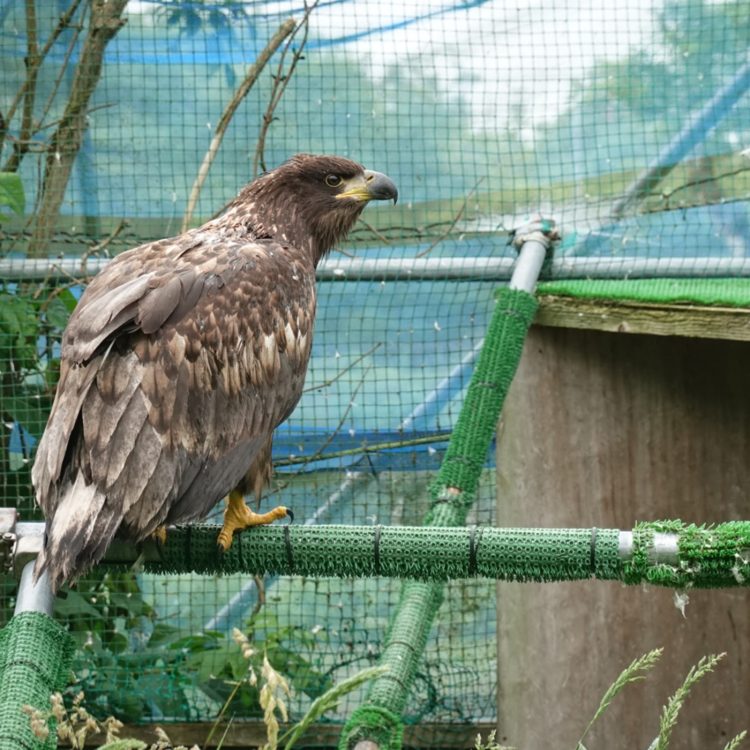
x: 369, y: 186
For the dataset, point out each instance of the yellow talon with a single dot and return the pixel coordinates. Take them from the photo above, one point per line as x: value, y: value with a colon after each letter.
x: 238, y: 516
x: 160, y: 535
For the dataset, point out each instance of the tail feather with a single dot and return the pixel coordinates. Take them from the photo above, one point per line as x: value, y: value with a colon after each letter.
x: 77, y: 535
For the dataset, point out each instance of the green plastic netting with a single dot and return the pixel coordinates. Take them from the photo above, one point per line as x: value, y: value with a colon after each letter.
x: 482, y: 112
x: 35, y: 657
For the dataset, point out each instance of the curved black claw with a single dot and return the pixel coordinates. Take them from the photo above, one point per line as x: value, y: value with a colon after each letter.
x: 290, y: 513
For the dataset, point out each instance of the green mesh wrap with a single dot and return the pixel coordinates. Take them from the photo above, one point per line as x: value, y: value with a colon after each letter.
x: 709, y: 556
x: 476, y: 423
x: 731, y: 292
x: 376, y: 724
x: 416, y: 552
x: 459, y: 471
x: 35, y: 655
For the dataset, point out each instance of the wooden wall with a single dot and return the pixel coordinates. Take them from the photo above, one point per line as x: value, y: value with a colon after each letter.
x: 604, y: 429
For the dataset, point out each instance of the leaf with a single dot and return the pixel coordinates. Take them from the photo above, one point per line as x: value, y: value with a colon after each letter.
x: 116, y: 642
x: 634, y: 672
x: 170, y: 700
x: 162, y: 634
x: 57, y: 313
x: 124, y: 745
x: 11, y: 192
x: 226, y: 661
x: 17, y: 315
x: 74, y: 605
x: 69, y: 299
x: 130, y: 605
x: 735, y: 742
x: 329, y: 700
x: 671, y: 710
x: 29, y: 412
x: 207, y: 641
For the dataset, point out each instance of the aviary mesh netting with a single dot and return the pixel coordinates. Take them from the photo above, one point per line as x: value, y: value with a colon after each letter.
x: 481, y: 112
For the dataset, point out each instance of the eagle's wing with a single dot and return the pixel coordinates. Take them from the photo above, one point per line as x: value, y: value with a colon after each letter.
x: 178, y: 363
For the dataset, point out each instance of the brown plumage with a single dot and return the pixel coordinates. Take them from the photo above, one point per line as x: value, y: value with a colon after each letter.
x: 183, y: 356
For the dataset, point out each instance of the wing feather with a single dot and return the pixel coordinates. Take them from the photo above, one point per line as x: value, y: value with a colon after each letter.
x: 174, y: 379
x: 95, y: 323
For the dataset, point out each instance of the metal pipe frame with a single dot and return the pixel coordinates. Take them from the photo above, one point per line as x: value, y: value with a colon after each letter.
x: 475, y: 268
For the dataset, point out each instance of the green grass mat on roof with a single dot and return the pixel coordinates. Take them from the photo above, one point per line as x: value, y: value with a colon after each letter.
x: 733, y: 292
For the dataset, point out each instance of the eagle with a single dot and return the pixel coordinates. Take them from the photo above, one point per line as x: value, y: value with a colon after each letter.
x: 182, y: 357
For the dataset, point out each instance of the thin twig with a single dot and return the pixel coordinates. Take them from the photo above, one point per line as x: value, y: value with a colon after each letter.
x: 380, y: 236
x: 280, y: 82
x: 33, y: 65
x: 666, y: 196
x: 688, y: 206
x: 318, y: 453
x: 439, y: 437
x: 354, y: 363
x: 89, y: 110
x: 253, y: 73
x: 260, y: 587
x: 104, y: 22
x: 63, y: 68
x: 455, y: 221
x: 102, y: 245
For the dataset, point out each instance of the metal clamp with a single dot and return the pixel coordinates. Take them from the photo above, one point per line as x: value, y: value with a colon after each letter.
x: 8, y: 538
x: 20, y: 542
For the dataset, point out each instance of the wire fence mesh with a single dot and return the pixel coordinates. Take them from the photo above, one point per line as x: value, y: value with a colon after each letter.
x: 628, y: 123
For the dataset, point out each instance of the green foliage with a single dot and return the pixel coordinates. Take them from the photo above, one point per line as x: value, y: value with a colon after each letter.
x: 672, y: 709
x: 735, y: 742
x: 12, y: 195
x: 32, y: 317
x: 194, y: 17
x: 219, y: 665
x: 125, y: 745
x: 668, y: 720
x: 329, y: 700
x: 126, y: 662
x: 634, y: 672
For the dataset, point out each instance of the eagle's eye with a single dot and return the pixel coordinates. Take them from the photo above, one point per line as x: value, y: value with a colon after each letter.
x: 333, y: 180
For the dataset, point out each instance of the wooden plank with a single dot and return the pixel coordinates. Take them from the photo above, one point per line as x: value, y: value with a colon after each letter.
x: 252, y: 734
x: 693, y: 321
x: 605, y: 430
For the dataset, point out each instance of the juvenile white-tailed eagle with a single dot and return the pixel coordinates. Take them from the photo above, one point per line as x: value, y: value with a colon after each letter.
x: 182, y: 357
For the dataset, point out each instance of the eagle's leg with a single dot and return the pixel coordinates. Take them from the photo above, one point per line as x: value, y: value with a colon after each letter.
x: 238, y: 516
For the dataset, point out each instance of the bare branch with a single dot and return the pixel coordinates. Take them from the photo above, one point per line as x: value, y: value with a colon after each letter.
x: 280, y: 82
x: 327, y: 383
x: 318, y: 453
x: 253, y: 73
x: 27, y: 92
x: 102, y: 245
x: 60, y: 76
x: 440, y: 437
x: 106, y: 20
x: 667, y: 195
x: 372, y: 229
x: 452, y: 225
x: 33, y: 63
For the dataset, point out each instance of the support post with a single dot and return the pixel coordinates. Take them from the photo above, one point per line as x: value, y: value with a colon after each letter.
x: 378, y: 720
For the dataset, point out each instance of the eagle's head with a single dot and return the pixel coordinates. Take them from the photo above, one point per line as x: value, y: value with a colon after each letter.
x: 310, y: 202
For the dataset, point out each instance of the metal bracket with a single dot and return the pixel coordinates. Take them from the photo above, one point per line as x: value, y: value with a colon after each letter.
x: 8, y: 538
x: 20, y: 542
